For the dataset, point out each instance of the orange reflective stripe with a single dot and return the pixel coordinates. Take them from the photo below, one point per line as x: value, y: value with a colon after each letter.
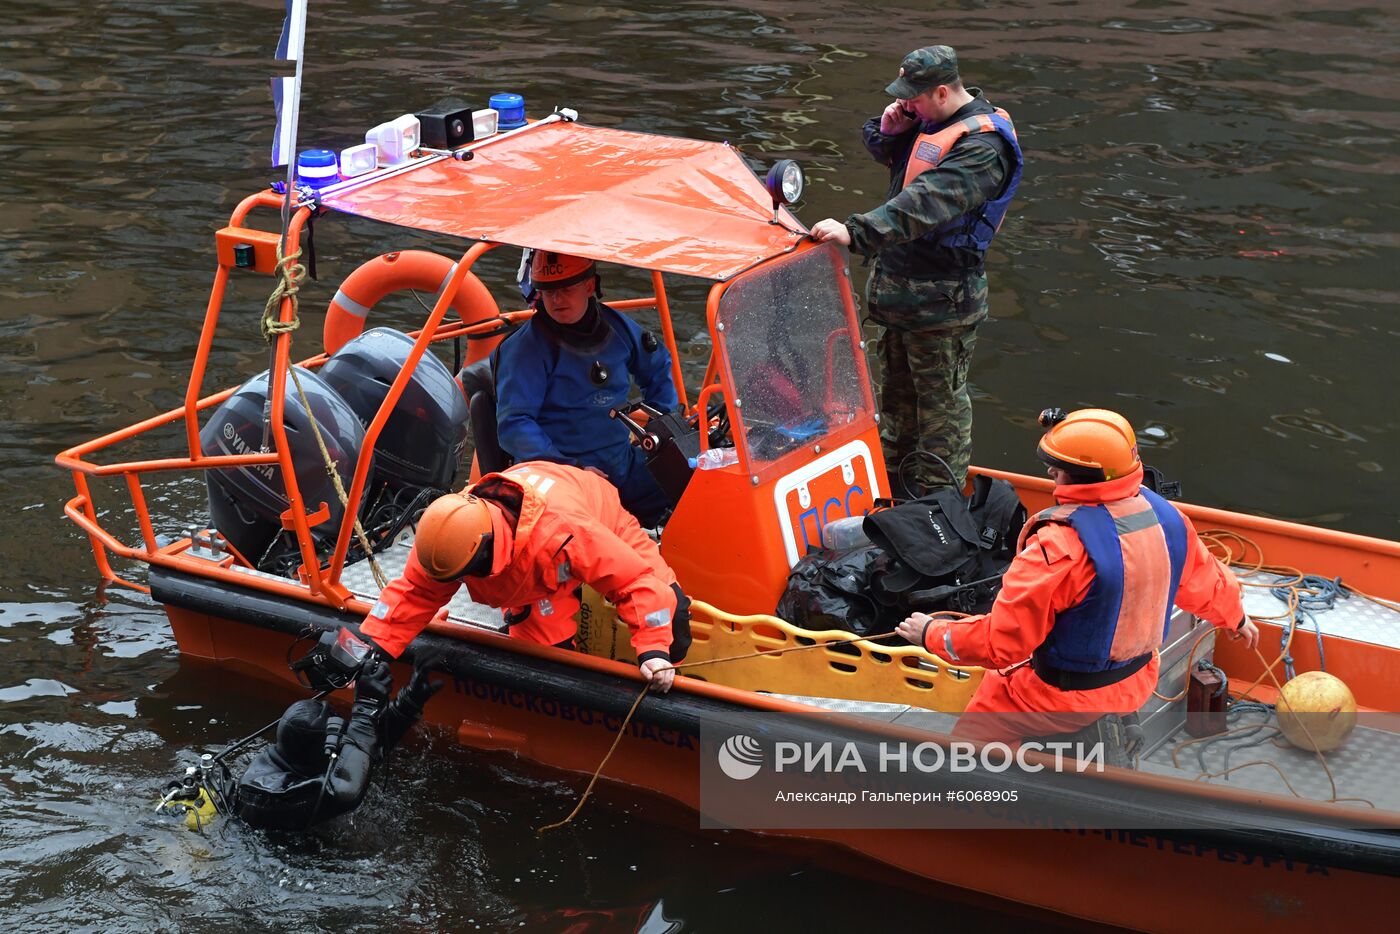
x: 1146, y: 578
x: 930, y: 148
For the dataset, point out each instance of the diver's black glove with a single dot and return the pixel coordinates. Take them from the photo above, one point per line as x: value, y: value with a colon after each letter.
x: 419, y: 690
x: 407, y: 707
x: 374, y: 683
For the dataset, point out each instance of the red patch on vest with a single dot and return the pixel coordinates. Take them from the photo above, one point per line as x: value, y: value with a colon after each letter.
x: 927, y: 152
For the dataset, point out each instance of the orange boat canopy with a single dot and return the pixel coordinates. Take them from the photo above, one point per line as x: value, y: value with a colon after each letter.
x: 653, y: 202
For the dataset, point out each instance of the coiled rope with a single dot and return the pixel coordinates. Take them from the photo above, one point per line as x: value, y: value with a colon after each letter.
x: 1313, y: 593
x: 1301, y: 594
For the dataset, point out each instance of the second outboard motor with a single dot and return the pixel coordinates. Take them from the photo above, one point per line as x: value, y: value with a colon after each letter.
x: 246, y: 503
x: 422, y: 442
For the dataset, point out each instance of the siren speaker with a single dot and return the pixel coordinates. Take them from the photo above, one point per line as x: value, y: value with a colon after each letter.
x: 446, y: 128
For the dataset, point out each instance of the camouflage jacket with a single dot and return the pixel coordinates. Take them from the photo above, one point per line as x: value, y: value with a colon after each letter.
x: 971, y: 174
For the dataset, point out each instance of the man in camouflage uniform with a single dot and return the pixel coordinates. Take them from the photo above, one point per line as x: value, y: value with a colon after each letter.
x: 928, y: 289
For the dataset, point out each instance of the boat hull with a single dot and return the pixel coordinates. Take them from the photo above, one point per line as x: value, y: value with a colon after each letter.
x: 563, y: 710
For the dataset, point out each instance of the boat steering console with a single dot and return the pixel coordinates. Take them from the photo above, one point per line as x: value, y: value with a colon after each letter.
x: 672, y: 444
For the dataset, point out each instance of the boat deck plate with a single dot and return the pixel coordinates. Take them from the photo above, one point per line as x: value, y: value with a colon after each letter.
x: 359, y: 578
x: 1350, y: 616
x: 1364, y: 767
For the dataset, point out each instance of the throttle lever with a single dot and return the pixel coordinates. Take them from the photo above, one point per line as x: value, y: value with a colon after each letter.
x: 646, y: 439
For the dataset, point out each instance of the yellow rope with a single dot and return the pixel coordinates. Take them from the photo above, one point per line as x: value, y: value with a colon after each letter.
x: 698, y: 664
x: 379, y: 577
x: 291, y: 274
x: 621, y: 730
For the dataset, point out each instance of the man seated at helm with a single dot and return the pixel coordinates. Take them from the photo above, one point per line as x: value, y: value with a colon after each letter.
x: 525, y: 540
x: 557, y: 377
x: 1084, y: 605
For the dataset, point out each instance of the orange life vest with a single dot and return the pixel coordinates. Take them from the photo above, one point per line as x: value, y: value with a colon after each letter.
x: 930, y: 148
x: 1138, y: 548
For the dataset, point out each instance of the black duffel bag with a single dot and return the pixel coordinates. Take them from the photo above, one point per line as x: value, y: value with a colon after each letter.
x: 940, y: 552
x: 944, y: 551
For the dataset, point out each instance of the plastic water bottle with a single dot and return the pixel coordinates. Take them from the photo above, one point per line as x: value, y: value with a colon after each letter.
x: 845, y: 534
x: 712, y: 458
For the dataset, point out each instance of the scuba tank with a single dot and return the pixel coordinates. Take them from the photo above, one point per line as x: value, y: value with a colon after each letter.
x: 190, y: 797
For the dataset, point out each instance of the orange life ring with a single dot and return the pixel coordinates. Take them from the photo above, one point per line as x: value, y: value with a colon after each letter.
x: 408, y: 269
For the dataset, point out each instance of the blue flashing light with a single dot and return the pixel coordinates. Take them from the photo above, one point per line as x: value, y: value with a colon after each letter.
x: 317, y: 168
x: 511, y: 107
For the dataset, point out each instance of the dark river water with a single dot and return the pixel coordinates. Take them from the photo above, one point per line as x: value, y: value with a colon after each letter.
x: 1205, y: 239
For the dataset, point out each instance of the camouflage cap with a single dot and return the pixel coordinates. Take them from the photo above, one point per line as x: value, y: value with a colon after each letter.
x: 923, y: 69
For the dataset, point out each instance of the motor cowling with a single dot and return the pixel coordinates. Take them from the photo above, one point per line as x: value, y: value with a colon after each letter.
x: 246, y: 503
x: 422, y: 442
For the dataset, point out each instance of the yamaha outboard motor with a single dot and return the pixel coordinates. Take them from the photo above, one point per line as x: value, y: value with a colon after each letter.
x: 422, y: 442
x: 246, y: 503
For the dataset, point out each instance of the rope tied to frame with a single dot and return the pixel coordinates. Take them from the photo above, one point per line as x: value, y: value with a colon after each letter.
x: 290, y: 275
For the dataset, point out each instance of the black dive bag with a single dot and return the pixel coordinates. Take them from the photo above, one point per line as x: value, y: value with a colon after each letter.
x: 940, y: 552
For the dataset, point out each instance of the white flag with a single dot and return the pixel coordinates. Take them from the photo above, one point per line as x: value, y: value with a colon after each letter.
x: 286, y: 92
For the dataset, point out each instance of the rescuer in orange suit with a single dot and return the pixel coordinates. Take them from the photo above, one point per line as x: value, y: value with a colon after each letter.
x: 525, y: 540
x: 1084, y: 605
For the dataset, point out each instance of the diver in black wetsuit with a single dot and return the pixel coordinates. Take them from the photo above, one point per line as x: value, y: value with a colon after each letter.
x: 321, y: 765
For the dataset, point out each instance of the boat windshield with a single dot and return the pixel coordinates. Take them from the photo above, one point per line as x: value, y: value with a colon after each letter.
x: 791, y: 339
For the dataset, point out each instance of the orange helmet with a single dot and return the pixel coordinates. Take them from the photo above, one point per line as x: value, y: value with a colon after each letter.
x: 1092, y: 444
x: 549, y: 271
x: 451, y: 534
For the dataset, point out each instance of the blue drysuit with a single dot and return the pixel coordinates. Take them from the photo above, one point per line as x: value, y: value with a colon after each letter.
x: 555, y: 384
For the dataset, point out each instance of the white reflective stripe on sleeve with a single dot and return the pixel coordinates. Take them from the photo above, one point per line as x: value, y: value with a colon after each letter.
x: 948, y: 646
x: 380, y: 611
x: 658, y: 618
x: 546, y: 608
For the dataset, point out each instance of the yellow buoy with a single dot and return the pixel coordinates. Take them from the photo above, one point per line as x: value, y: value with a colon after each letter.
x: 1316, y: 711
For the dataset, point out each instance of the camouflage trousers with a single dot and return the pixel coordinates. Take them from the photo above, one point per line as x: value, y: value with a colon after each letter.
x: 923, y: 354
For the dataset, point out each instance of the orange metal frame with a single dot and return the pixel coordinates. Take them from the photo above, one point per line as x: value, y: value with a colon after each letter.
x: 318, y: 582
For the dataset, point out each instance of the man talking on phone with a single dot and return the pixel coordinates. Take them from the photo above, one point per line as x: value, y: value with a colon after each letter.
x: 954, y: 166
